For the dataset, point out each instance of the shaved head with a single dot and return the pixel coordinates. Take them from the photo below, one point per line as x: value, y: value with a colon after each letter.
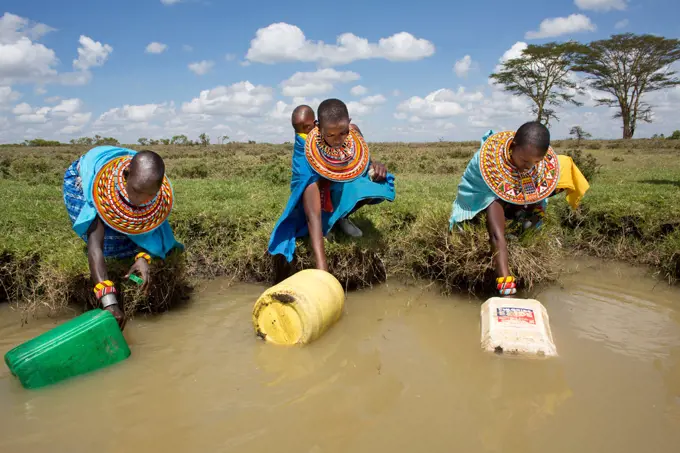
x: 303, y: 119
x: 147, y: 170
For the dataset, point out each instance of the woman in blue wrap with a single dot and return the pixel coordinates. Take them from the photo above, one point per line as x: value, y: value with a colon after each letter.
x: 333, y: 176
x: 118, y: 201
x: 511, y: 177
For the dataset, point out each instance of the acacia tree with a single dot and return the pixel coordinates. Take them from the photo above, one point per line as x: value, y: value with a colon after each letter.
x: 579, y: 134
x: 542, y: 73
x: 626, y: 67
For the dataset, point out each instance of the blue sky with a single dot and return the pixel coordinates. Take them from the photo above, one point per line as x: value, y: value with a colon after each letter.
x: 232, y: 67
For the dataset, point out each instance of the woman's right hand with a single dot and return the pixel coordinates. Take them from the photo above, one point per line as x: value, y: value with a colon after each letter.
x: 118, y: 314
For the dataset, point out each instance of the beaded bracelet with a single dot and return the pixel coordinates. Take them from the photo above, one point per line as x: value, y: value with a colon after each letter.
x: 104, y: 291
x: 101, y: 285
x: 144, y: 255
x: 506, y: 285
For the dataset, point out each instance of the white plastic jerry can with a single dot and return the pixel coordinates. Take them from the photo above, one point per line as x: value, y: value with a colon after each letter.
x: 516, y: 326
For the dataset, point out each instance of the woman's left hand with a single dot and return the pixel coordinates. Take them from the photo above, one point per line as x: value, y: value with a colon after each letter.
x: 141, y: 266
x: 380, y: 171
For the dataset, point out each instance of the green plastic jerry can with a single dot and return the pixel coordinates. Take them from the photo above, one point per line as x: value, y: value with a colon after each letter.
x: 85, y: 343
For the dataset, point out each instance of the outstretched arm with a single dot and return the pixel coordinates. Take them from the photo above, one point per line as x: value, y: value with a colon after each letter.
x: 95, y: 251
x: 98, y: 272
x: 311, y: 201
x: 495, y: 224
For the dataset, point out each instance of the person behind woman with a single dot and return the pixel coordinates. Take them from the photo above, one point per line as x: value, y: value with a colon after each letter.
x: 510, y: 178
x: 118, y: 201
x: 333, y: 176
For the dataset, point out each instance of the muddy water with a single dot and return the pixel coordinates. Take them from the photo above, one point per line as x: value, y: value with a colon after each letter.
x: 401, y: 372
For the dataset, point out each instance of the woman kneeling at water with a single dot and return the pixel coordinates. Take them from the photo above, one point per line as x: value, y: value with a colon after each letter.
x: 511, y: 177
x: 118, y: 201
x: 331, y: 167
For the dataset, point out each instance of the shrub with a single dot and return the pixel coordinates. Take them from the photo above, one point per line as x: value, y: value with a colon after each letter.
x: 586, y: 163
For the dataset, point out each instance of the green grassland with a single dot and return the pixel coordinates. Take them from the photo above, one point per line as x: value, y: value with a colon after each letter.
x: 228, y: 198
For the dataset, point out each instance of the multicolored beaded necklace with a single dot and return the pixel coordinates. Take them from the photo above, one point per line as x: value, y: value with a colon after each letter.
x: 113, y: 203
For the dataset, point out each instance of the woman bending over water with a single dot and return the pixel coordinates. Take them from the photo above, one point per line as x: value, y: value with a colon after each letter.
x: 511, y: 177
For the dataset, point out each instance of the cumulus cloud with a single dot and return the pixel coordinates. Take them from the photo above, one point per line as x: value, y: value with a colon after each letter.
x: 601, y: 5
x: 156, y: 47
x: 358, y: 90
x: 201, y: 67
x: 374, y: 100
x: 67, y: 107
x: 558, y: 26
x: 463, y: 66
x: 131, y: 113
x: 315, y: 83
x: 241, y: 99
x: 91, y: 53
x: 22, y: 60
x: 442, y: 103
x: 13, y: 28
x: 8, y: 96
x: 67, y: 113
x: 281, y: 42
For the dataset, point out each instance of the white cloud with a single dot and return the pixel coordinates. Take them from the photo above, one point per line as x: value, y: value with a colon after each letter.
x: 67, y: 107
x: 463, y: 66
x: 26, y: 61
x: 468, y: 108
x: 66, y: 113
x: 91, y: 53
x: 36, y: 116
x: 281, y: 42
x: 187, y: 48
x: 314, y: 83
x: 437, y: 104
x: 374, y: 100
x: 601, y: 5
x: 201, y: 67
x: 79, y: 119
x: 514, y: 52
x: 365, y: 105
x: 53, y: 99
x: 156, y: 47
x: 230, y: 57
x: 22, y: 109
x: 131, y: 114
x: 358, y: 90
x: 40, y: 91
x: 241, y: 99
x: 621, y: 24
x: 13, y: 28
x: 170, y: 2
x: 558, y: 26
x: 8, y: 96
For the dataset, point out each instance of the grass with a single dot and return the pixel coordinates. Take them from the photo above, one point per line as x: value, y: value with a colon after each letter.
x: 229, y: 198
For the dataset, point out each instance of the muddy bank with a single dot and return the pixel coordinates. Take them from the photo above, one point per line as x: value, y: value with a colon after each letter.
x: 224, y: 216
